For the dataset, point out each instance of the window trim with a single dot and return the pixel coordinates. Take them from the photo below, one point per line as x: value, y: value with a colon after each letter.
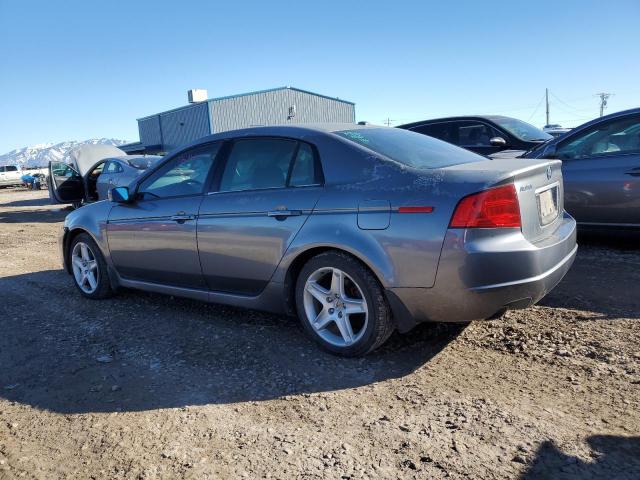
x: 318, y: 170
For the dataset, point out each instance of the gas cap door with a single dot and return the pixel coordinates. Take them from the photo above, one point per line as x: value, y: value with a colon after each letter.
x: 374, y: 214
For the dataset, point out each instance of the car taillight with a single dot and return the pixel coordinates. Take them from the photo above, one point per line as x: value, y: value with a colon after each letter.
x: 494, y: 208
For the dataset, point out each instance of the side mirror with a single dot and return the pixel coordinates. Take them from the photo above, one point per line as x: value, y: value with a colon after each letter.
x: 498, y: 142
x: 119, y: 195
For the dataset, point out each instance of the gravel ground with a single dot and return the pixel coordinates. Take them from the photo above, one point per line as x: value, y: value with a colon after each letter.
x: 148, y: 386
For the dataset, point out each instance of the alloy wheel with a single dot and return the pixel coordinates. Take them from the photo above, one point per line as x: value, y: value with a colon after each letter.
x: 335, y: 306
x: 85, y: 267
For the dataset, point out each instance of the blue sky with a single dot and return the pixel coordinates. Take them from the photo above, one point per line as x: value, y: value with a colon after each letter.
x: 71, y: 70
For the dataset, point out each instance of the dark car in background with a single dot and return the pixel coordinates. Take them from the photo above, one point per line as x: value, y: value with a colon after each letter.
x: 486, y: 135
x: 601, y: 169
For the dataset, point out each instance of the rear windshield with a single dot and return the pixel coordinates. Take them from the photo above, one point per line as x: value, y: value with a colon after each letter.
x: 410, y: 148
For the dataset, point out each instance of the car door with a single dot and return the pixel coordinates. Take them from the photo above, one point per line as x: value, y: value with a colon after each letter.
x: 476, y: 136
x: 65, y: 184
x: 265, y: 192
x: 153, y: 238
x: 12, y: 174
x: 470, y: 134
x: 601, y: 169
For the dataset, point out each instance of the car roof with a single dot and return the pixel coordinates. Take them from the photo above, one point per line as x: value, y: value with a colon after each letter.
x: 297, y: 131
x: 622, y: 113
x: 126, y: 158
x: 595, y: 121
x: 491, y: 118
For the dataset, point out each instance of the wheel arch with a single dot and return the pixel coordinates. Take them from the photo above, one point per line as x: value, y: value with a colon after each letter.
x: 298, y: 261
x: 68, y: 238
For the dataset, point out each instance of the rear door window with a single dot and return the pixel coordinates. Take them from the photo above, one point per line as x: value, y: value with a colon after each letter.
x: 11, y: 168
x: 263, y: 163
x: 113, y: 167
x: 305, y: 170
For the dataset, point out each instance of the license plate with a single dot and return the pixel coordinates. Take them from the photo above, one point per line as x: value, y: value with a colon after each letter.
x: 548, y: 205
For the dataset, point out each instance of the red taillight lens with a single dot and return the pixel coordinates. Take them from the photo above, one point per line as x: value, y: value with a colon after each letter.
x: 493, y: 208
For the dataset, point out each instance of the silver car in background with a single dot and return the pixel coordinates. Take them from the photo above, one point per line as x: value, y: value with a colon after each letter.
x: 92, y: 171
x: 359, y: 230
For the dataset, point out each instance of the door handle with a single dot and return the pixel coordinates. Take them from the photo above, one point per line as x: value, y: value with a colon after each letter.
x: 634, y: 172
x: 284, y: 213
x: 182, y: 217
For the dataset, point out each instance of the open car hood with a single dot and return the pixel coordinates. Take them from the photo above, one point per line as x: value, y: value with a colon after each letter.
x: 86, y: 156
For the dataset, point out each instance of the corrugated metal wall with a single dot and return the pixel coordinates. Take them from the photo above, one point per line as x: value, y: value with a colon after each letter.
x: 184, y: 125
x: 149, y: 130
x: 178, y: 127
x: 272, y: 108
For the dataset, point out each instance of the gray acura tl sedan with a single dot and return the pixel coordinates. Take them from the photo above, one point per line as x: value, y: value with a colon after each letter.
x: 359, y: 230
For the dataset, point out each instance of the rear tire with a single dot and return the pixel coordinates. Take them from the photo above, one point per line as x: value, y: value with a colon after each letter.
x: 89, y: 268
x: 342, y: 305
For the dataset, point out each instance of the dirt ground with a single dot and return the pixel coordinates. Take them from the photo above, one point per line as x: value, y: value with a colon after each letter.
x: 149, y: 386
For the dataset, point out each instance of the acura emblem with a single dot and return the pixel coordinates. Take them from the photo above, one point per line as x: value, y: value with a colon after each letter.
x: 549, y: 173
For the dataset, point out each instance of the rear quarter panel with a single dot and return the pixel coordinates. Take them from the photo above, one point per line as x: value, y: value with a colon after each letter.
x: 406, y: 253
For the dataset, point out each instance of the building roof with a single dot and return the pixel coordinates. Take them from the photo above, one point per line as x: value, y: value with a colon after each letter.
x: 257, y: 92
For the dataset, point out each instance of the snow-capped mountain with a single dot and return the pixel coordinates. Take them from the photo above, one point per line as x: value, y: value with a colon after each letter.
x: 40, y: 155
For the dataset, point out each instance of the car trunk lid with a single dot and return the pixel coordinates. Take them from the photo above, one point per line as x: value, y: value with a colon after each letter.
x: 538, y: 185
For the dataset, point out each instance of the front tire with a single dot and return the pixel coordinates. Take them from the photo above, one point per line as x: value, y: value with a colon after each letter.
x: 89, y: 268
x: 342, y: 306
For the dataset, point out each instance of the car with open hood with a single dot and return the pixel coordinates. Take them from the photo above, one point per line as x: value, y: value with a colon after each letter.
x: 91, y: 171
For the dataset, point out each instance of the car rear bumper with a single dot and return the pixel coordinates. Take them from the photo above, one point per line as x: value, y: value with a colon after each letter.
x: 482, y: 272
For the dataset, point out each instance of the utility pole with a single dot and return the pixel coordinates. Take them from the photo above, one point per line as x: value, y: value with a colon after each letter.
x: 388, y: 121
x: 546, y: 96
x: 603, y: 101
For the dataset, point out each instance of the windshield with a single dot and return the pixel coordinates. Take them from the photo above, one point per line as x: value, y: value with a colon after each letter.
x: 410, y: 148
x: 523, y: 130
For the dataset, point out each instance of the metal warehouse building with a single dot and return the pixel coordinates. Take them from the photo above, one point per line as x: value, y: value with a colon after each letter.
x: 165, y: 131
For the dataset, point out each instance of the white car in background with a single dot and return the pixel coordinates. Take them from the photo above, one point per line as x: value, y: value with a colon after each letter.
x: 10, y: 175
x: 555, y: 130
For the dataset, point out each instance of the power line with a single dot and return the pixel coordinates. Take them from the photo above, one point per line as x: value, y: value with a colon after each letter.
x: 537, y: 107
x: 603, y: 100
x: 567, y: 105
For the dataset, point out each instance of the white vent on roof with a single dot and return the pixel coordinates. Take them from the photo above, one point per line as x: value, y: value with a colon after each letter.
x: 197, y: 95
